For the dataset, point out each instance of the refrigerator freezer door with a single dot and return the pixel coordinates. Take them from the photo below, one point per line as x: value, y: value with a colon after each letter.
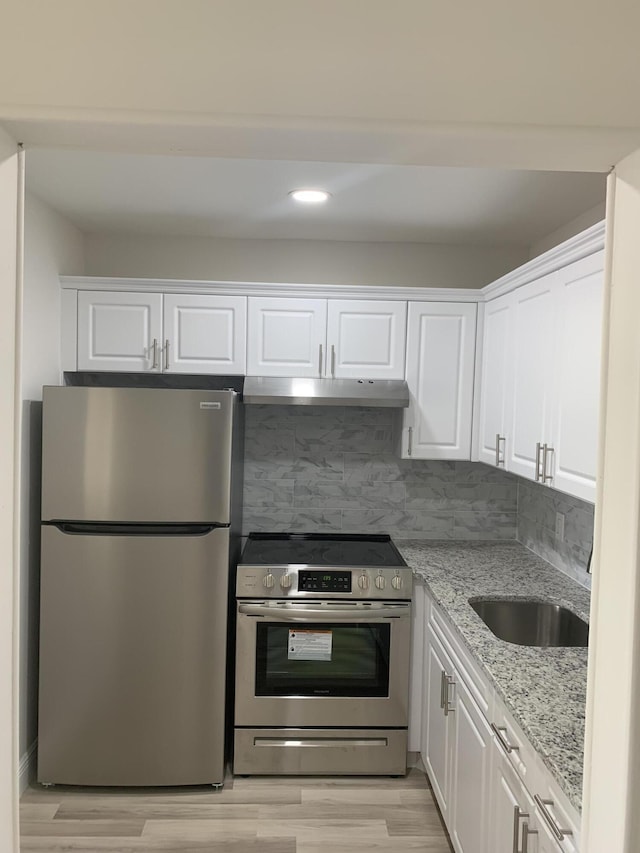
x: 136, y: 454
x: 132, y: 659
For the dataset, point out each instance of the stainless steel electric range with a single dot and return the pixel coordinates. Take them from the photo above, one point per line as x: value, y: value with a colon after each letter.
x: 322, y: 655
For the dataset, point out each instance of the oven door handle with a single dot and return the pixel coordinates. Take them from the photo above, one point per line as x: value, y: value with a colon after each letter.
x: 359, y: 614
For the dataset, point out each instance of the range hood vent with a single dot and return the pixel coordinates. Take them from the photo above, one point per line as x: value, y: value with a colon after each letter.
x: 326, y: 392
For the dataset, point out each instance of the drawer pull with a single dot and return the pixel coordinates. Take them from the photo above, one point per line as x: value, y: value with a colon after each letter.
x: 504, y: 743
x: 558, y: 833
x: 448, y: 682
x: 526, y: 832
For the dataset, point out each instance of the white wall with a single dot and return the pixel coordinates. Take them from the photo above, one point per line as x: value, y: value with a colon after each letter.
x: 298, y: 261
x: 10, y: 228
x: 569, y: 229
x: 52, y: 247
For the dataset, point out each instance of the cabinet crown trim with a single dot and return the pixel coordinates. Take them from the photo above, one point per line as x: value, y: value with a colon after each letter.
x: 253, y: 288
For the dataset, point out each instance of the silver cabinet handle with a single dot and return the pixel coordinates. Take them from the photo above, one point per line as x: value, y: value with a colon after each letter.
x: 538, y: 452
x: 333, y: 361
x: 320, y: 360
x: 448, y: 682
x: 166, y: 354
x: 442, y: 688
x: 504, y: 743
x: 526, y: 832
x: 517, y: 817
x: 499, y: 459
x: 291, y: 613
x: 410, y: 442
x: 558, y: 833
x: 154, y: 347
x: 546, y: 451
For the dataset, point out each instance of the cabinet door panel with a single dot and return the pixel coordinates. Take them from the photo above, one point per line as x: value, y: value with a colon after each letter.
x: 286, y: 337
x: 116, y: 330
x: 577, y: 377
x: 497, y: 377
x: 440, y: 363
x: 532, y: 362
x: 436, y: 730
x: 205, y: 333
x: 507, y: 794
x: 368, y: 339
x: 470, y: 796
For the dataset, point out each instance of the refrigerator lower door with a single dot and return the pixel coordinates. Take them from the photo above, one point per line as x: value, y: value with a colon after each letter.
x: 132, y: 659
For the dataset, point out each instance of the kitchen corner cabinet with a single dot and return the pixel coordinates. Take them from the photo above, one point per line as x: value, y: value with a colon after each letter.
x: 540, y: 378
x: 337, y: 338
x: 441, y: 341
x: 161, y: 333
x: 492, y: 788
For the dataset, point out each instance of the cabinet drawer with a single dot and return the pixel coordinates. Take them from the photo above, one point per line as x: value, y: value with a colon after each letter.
x: 476, y: 682
x: 555, y: 815
x: 511, y: 741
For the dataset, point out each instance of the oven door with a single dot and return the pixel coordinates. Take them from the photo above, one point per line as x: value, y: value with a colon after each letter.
x: 322, y: 663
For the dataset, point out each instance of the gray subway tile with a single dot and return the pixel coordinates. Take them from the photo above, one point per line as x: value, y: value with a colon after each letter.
x: 485, y: 525
x: 312, y: 437
x: 380, y: 496
x: 399, y: 524
x: 277, y: 466
x: 268, y: 493
x: 277, y: 520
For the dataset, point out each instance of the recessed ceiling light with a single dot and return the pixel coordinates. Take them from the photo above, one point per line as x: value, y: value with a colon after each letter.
x: 310, y: 196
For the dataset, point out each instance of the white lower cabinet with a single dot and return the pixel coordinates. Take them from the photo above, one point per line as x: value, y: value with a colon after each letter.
x: 470, y: 778
x: 493, y: 790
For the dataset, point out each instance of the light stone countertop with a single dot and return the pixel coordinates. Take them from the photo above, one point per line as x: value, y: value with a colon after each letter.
x: 543, y: 688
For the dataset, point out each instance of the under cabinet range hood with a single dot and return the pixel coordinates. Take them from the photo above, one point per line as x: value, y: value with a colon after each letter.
x: 282, y: 391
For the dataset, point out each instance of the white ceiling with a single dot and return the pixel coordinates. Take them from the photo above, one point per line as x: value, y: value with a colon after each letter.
x: 244, y: 198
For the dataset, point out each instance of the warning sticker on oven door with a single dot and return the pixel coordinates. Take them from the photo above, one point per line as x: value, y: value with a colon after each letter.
x: 309, y: 645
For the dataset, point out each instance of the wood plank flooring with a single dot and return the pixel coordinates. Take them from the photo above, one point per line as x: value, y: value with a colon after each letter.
x: 249, y: 815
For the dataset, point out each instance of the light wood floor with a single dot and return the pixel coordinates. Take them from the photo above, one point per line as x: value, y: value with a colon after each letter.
x: 253, y: 815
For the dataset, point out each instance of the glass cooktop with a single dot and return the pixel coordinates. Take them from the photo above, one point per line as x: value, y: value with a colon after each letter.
x: 320, y: 549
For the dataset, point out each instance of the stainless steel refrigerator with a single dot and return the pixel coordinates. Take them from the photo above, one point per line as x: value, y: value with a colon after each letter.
x: 141, y: 498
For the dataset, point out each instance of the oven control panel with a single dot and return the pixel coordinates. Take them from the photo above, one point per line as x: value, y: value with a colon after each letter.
x: 303, y: 582
x: 320, y: 581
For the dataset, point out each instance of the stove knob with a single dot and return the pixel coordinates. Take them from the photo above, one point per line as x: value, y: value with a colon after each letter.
x: 269, y: 581
x: 380, y: 582
x: 396, y: 582
x: 363, y: 581
x: 285, y: 581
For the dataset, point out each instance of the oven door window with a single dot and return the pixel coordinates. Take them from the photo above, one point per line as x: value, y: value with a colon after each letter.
x: 337, y: 659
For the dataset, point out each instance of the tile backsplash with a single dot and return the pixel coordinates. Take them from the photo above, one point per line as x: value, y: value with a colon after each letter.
x: 335, y: 469
x: 537, y: 508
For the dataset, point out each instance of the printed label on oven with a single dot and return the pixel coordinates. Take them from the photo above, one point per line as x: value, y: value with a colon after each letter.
x: 309, y: 645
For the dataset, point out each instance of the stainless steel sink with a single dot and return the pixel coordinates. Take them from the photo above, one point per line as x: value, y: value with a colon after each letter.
x: 531, y: 623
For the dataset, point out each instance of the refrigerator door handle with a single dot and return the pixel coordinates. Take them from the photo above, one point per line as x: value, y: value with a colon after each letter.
x: 88, y: 528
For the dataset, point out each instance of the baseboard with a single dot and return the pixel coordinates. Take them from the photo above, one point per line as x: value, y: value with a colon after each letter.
x: 27, y: 767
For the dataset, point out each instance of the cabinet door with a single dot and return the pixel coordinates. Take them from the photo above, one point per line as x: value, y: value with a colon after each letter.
x: 507, y: 794
x: 204, y: 333
x: 286, y: 337
x: 440, y: 363
x: 471, y: 765
x: 436, y: 727
x: 576, y: 372
x: 117, y: 331
x: 366, y: 340
x: 497, y: 379
x: 530, y: 414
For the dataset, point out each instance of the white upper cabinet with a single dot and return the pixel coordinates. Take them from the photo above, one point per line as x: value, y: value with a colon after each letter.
x: 540, y: 378
x: 496, y: 380
x: 287, y: 337
x: 119, y: 331
x: 529, y: 418
x: 339, y: 338
x: 169, y: 333
x: 366, y: 339
x: 204, y: 334
x: 576, y: 374
x: 440, y: 371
